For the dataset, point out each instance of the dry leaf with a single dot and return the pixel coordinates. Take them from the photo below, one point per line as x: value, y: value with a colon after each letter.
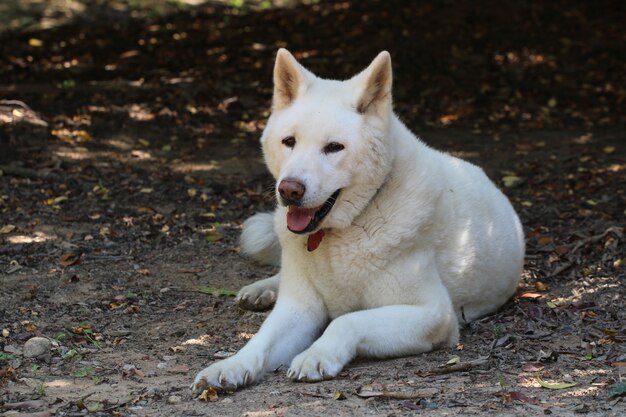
x: 209, y: 394
x: 176, y: 349
x: 453, y: 360
x: 213, y: 236
x: 7, y: 229
x: 82, y: 329
x: 129, y: 54
x: 530, y: 295
x: 69, y: 259
x: 561, y: 385
x: 7, y: 373
x: 338, y: 395
x: 371, y: 390
x: 190, y: 270
x: 29, y: 326
x: 83, y: 136
x: 518, y: 396
x: 532, y: 367
x: 510, y: 180
x: 543, y: 241
x: 130, y: 371
x: 148, y: 210
x: 179, y: 369
x: 56, y: 200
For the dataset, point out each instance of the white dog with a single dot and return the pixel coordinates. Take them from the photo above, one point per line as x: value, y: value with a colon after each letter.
x: 386, y: 243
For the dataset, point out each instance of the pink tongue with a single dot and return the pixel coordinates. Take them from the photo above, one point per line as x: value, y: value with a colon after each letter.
x: 299, y: 218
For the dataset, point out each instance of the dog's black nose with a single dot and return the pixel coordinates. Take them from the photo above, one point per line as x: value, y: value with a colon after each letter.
x: 291, y: 190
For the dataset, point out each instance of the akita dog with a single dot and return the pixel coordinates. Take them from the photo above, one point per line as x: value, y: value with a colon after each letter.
x: 385, y: 244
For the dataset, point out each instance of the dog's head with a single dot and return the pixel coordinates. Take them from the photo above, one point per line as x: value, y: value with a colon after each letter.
x: 327, y: 142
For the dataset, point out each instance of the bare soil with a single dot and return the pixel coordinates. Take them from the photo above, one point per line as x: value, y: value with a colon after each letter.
x: 129, y: 160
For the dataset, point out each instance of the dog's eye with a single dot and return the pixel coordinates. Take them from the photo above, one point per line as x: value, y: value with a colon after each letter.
x: 333, y: 147
x: 289, y: 141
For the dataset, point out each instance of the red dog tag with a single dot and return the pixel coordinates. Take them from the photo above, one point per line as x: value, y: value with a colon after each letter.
x: 314, y: 240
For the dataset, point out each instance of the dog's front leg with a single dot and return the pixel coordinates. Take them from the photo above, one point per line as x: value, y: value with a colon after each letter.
x: 395, y: 330
x: 297, y: 319
x: 260, y: 295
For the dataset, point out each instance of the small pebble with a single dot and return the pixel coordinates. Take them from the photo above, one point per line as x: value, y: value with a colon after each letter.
x: 222, y: 354
x: 173, y: 399
x: 12, y: 349
x: 36, y: 346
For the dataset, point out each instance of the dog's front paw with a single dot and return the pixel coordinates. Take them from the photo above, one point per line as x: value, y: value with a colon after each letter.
x: 226, y: 375
x: 256, y: 297
x: 315, y: 364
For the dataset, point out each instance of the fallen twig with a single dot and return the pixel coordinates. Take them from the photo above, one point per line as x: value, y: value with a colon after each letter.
x: 314, y: 394
x: 119, y: 405
x: 457, y: 367
x: 107, y: 257
x: 46, y: 413
x: 561, y: 268
x: 410, y: 395
x: 592, y: 239
x: 378, y: 390
x: 27, y: 172
x: 23, y: 405
x: 16, y: 103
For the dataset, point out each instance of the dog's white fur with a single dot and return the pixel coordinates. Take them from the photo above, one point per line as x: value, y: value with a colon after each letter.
x: 416, y: 242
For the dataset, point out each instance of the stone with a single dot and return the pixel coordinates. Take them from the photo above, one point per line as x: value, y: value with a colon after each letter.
x: 36, y: 346
x: 174, y: 399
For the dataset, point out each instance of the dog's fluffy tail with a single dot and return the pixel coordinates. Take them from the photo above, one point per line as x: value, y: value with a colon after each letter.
x: 258, y: 239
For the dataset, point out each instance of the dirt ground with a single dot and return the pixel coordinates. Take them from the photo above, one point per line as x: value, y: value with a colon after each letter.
x: 129, y: 159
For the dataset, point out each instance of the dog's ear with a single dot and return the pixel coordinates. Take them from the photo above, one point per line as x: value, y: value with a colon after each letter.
x: 290, y: 79
x: 375, y: 82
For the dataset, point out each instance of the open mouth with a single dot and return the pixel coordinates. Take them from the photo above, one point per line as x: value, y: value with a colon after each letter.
x: 305, y: 220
